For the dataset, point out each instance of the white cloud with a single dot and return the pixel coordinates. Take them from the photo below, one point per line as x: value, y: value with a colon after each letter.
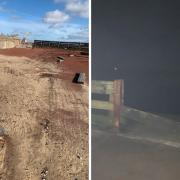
x: 80, y: 34
x: 56, y: 17
x: 76, y: 7
x: 40, y: 30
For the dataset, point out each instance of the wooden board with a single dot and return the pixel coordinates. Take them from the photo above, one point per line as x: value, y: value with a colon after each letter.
x: 102, y: 87
x: 103, y: 105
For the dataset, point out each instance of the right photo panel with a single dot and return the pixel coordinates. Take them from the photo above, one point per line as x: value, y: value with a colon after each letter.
x: 135, y: 90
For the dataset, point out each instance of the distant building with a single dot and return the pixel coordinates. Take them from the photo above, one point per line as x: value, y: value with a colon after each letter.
x: 9, y: 41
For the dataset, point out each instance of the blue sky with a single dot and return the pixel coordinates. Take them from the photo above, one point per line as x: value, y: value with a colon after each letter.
x: 60, y: 20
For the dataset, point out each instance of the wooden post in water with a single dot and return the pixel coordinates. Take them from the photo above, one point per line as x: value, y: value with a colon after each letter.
x: 118, y: 93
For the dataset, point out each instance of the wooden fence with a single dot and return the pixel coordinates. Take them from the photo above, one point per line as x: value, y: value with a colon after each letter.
x: 115, y: 91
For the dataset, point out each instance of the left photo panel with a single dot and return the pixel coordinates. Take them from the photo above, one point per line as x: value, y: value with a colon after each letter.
x: 44, y: 90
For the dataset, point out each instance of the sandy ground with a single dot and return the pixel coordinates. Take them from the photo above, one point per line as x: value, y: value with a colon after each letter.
x: 45, y: 118
x: 72, y: 64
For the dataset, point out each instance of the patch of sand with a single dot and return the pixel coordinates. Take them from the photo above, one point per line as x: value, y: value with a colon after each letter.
x: 45, y: 119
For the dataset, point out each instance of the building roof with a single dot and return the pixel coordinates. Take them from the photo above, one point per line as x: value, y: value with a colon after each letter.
x: 5, y: 37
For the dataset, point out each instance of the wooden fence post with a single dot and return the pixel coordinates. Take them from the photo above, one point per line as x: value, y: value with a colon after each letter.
x: 118, y: 92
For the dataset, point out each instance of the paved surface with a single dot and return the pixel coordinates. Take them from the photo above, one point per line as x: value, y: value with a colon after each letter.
x: 115, y: 157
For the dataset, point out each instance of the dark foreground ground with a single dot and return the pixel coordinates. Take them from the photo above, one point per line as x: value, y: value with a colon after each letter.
x: 119, y: 158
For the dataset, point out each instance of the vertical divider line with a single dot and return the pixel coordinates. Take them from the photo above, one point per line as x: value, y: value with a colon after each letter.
x: 90, y: 97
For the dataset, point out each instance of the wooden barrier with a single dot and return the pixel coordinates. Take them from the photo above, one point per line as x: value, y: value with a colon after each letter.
x: 115, y: 90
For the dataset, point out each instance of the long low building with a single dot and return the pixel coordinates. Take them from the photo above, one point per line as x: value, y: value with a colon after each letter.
x: 9, y: 42
x: 60, y: 44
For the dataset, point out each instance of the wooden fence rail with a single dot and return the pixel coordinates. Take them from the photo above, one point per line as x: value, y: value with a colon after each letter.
x: 115, y: 91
